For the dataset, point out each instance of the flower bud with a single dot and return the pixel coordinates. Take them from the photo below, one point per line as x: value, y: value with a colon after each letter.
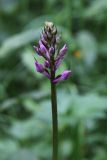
x: 46, y: 73
x: 44, y: 35
x: 44, y: 42
x: 46, y: 64
x: 49, y: 25
x: 58, y: 39
x: 65, y: 75
x: 39, y: 67
x: 53, y: 40
x: 42, y: 47
x: 63, y: 51
x: 60, y: 56
x: 54, y: 31
x: 51, y: 50
x: 37, y: 50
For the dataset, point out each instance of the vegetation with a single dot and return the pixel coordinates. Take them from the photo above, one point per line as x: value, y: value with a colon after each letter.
x: 25, y: 109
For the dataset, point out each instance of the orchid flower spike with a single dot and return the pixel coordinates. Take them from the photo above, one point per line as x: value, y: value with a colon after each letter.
x: 48, y: 49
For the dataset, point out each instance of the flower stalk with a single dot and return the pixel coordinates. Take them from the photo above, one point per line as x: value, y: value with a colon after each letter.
x: 48, y: 49
x: 54, y: 121
x: 54, y: 112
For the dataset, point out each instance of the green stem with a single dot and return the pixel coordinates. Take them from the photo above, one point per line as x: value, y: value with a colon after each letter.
x: 54, y: 121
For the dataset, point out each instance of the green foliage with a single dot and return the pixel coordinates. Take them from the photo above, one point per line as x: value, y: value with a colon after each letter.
x: 25, y: 110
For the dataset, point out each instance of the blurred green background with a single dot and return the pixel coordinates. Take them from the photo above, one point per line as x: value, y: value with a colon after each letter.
x: 25, y: 109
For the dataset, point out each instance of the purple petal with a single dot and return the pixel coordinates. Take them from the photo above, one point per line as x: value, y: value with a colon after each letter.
x: 39, y: 67
x: 46, y: 64
x: 47, y: 55
x: 37, y: 50
x: 63, y: 51
x: 44, y: 35
x: 57, y: 63
x: 43, y: 40
x: 60, y: 56
x: 42, y: 47
x: 65, y: 75
x: 46, y: 73
x: 51, y: 50
x: 43, y: 50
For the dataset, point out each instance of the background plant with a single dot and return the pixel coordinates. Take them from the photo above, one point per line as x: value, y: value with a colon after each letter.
x: 25, y: 114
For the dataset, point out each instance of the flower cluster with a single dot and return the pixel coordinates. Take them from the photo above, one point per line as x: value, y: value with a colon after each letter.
x: 48, y: 49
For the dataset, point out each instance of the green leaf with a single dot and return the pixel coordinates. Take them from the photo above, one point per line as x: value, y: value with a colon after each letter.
x: 9, y: 6
x: 7, y: 147
x: 88, y: 47
x: 38, y: 22
x: 28, y: 60
x: 89, y: 106
x: 22, y: 154
x: 34, y: 127
x: 17, y: 41
x: 97, y: 9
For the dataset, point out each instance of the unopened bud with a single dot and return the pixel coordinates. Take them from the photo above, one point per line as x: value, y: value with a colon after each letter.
x: 51, y: 50
x: 49, y: 25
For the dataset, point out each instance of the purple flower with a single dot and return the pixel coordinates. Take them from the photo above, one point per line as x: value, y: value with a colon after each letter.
x: 51, y: 50
x: 48, y: 49
x: 65, y: 75
x: 42, y: 48
x: 46, y: 64
x: 63, y: 51
x: 37, y: 50
x: 39, y: 67
x: 60, y: 56
x: 46, y: 73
